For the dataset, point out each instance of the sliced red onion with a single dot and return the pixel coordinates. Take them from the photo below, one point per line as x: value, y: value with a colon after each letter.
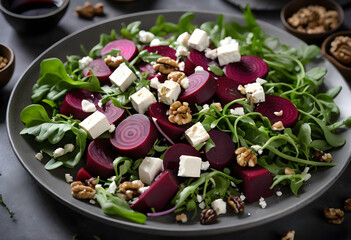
x: 162, y: 132
x: 158, y: 214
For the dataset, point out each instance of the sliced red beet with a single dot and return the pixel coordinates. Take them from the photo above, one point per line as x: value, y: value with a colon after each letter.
x: 114, y: 114
x: 158, y: 196
x: 159, y: 111
x: 127, y: 47
x: 173, y: 153
x: 247, y: 70
x: 202, y: 87
x: 227, y: 91
x: 195, y: 59
x: 256, y: 182
x: 277, y: 104
x: 100, y: 156
x: 99, y: 69
x: 134, y: 136
x: 82, y: 175
x: 72, y: 104
x: 164, y: 51
x: 146, y: 67
x: 224, y: 151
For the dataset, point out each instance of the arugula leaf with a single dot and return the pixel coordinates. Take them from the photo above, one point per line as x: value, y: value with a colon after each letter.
x: 130, y: 31
x: 104, y: 40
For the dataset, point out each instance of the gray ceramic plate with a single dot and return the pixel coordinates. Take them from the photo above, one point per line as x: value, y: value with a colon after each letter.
x: 54, y: 181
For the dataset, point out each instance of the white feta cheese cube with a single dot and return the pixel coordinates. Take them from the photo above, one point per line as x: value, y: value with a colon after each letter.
x: 58, y: 152
x: 199, y: 40
x: 189, y: 166
x: 88, y: 106
x: 219, y: 206
x: 211, y: 53
x: 237, y: 111
x: 168, y: 92
x: 154, y: 82
x: 255, y: 90
x: 95, y: 124
x: 261, y: 81
x: 142, y: 99
x: 122, y: 77
x: 112, y: 187
x: 69, y: 147
x: 182, y: 51
x: 205, y: 165
x: 145, y: 36
x: 39, y: 156
x: 183, y: 38
x: 68, y: 178
x: 181, y: 66
x: 84, y: 62
x: 196, y: 134
x: 149, y: 168
x: 228, y: 54
x: 184, y: 83
x: 227, y: 41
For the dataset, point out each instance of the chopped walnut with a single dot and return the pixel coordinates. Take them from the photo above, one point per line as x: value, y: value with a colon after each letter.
x: 334, y: 215
x: 236, y: 204
x: 176, y: 76
x: 182, y: 218
x: 113, y: 62
x: 289, y: 171
x: 347, y: 205
x: 89, y: 11
x: 341, y: 49
x: 251, y: 100
x: 242, y: 90
x: 245, y: 157
x: 320, y: 156
x: 91, y: 182
x: 314, y: 19
x: 289, y: 235
x: 218, y: 106
x: 129, y: 190
x: 166, y: 65
x: 208, y: 216
x: 80, y: 191
x: 179, y: 113
x: 278, y: 126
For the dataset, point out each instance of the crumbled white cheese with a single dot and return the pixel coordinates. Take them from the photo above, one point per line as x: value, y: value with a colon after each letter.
x: 202, y: 205
x: 149, y: 168
x: 184, y: 83
x: 211, y: 53
x: 232, y: 184
x: 261, y: 81
x: 279, y: 193
x: 39, y: 156
x: 145, y: 36
x: 88, y: 106
x: 69, y: 147
x: 248, y: 214
x: 58, y: 152
x: 199, y: 69
x: 255, y: 90
x: 143, y: 189
x: 92, y: 201
x: 242, y: 197
x: 68, y: 178
x: 199, y: 198
x: 262, y: 203
x: 154, y: 82
x: 183, y: 38
x: 100, y: 103
x: 181, y: 66
x: 196, y: 134
x: 205, y: 165
x: 219, y: 206
x: 112, y: 188
x: 237, y: 111
x: 84, y: 62
x: 112, y: 128
x: 205, y: 107
x: 98, y: 186
x: 257, y: 149
x: 182, y: 51
x: 227, y: 41
x: 157, y: 42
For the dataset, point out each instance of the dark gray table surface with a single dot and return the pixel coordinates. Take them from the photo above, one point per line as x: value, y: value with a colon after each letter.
x: 39, y: 216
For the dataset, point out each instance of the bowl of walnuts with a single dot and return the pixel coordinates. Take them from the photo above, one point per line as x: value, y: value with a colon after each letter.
x: 312, y: 20
x: 337, y: 49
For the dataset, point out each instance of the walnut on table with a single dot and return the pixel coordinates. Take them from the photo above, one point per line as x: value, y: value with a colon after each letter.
x: 88, y: 10
x: 289, y: 235
x: 334, y: 215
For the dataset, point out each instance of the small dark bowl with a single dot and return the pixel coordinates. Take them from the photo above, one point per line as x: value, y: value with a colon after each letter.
x: 33, y: 24
x: 345, y: 70
x: 6, y: 72
x: 292, y: 7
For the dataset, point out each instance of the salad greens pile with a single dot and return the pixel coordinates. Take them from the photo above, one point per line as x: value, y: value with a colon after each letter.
x: 288, y: 77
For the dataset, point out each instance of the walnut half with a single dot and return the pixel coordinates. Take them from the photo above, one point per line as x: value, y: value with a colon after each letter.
x: 245, y: 157
x: 166, y: 65
x: 340, y: 48
x: 80, y: 191
x: 180, y: 113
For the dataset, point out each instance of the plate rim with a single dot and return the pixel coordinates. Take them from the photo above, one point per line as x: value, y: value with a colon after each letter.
x: 149, y: 228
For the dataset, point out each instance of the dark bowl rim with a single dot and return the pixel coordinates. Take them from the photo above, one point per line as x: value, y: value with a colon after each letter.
x: 315, y: 35
x: 326, y: 53
x: 11, y: 60
x: 15, y: 15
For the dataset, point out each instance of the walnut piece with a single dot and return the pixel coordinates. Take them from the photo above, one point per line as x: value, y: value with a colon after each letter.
x: 176, y: 76
x: 166, y: 65
x: 347, y: 205
x: 179, y: 113
x: 3, y: 62
x: 245, y: 157
x: 320, y: 156
x: 242, y: 90
x: 181, y: 218
x: 289, y: 235
x: 236, y: 204
x: 113, y: 62
x: 314, y: 19
x: 88, y: 11
x: 130, y: 190
x: 80, y: 191
x: 340, y: 48
x: 218, y: 106
x: 208, y: 216
x: 278, y: 126
x: 334, y: 215
x: 289, y: 171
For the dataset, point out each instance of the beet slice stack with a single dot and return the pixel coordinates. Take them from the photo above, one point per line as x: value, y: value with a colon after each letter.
x: 247, y: 70
x: 72, y: 104
x: 134, y: 136
x: 276, y: 104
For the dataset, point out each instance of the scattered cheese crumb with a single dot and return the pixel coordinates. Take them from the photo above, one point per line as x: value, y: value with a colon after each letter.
x: 39, y: 156
x: 199, y: 69
x: 262, y: 203
x: 181, y: 66
x: 278, y: 193
x: 279, y: 114
x: 84, y: 62
x: 68, y: 178
x: 69, y: 147
x: 88, y: 106
x: 198, y: 198
x: 92, y: 201
x: 237, y: 111
x: 112, y: 188
x: 100, y: 103
x: 205, y: 165
x: 58, y: 152
x: 261, y: 81
x: 202, y: 205
x: 219, y: 206
x: 143, y: 189
x: 248, y: 214
x: 112, y: 128
x: 242, y: 197
x: 232, y: 184
x: 257, y: 149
